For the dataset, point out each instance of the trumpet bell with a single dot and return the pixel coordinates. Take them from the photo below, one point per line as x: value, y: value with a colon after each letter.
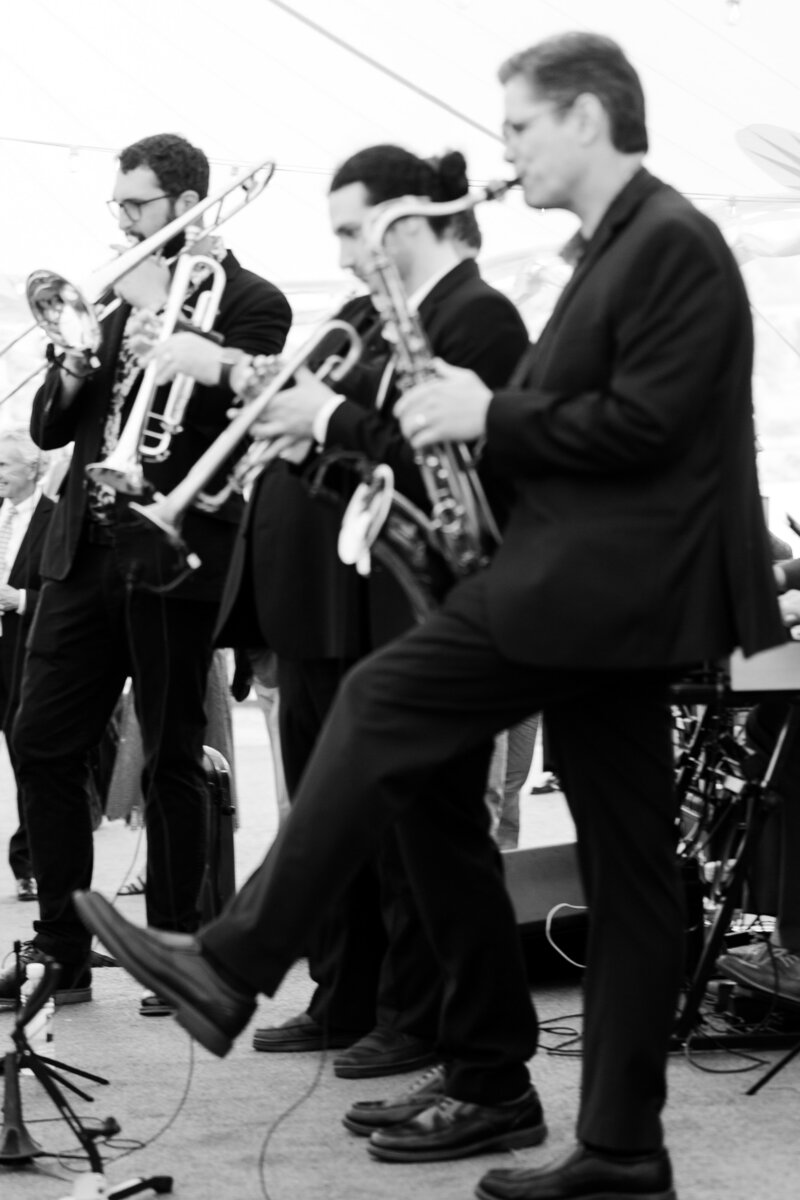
x: 126, y: 477
x: 60, y: 309
x: 149, y: 551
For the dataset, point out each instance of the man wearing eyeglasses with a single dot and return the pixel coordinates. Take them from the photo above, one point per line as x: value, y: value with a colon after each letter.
x: 93, y: 630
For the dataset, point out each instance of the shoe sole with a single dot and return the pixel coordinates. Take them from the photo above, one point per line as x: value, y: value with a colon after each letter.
x: 73, y: 996
x: 501, y: 1141
x: 299, y: 1047
x: 188, y: 1017
x: 377, y: 1070
x: 363, y: 1129
x: 482, y: 1194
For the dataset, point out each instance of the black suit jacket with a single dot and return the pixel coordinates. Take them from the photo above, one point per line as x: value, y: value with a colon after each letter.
x: 285, y: 576
x: 637, y: 537
x: 297, y: 596
x: 468, y: 323
x: 253, y: 316
x: 25, y: 573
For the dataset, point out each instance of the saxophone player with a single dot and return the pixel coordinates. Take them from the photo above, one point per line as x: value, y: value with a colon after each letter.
x: 90, y: 631
x: 322, y: 618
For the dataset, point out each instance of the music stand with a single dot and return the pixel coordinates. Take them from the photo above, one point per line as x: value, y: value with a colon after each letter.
x: 17, y: 1147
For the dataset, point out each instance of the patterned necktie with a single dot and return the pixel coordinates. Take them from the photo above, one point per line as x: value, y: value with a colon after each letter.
x: 6, y: 529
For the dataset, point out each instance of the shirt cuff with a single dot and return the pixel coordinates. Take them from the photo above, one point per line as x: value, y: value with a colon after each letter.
x: 21, y: 602
x: 319, y: 426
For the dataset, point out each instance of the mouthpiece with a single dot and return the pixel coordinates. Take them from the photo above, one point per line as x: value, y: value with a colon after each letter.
x: 498, y: 187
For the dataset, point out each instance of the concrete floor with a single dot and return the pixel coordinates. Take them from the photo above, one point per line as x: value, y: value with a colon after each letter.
x: 256, y: 1125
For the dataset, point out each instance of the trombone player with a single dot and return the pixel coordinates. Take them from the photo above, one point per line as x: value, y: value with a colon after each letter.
x: 92, y: 630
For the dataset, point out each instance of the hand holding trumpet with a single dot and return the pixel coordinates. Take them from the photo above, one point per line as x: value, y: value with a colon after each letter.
x: 292, y: 410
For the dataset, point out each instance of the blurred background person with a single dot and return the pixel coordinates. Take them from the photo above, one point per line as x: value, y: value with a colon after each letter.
x: 24, y: 518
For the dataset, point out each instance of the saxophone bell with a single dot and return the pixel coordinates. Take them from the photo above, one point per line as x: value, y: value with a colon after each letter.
x: 365, y: 517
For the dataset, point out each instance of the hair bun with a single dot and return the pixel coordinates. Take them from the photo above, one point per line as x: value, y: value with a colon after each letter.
x: 451, y: 169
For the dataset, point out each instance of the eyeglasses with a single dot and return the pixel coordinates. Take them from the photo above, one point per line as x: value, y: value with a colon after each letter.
x: 511, y: 129
x: 131, y: 208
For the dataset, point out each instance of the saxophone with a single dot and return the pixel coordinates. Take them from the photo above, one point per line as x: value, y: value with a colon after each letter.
x: 460, y: 529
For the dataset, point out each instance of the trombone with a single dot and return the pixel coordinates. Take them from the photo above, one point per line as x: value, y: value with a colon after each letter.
x: 71, y: 316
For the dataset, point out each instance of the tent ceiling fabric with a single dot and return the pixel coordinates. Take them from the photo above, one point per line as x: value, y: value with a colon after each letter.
x: 248, y: 78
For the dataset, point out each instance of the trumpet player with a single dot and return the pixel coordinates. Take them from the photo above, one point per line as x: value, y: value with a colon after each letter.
x: 379, y: 984
x: 91, y: 630
x: 381, y: 987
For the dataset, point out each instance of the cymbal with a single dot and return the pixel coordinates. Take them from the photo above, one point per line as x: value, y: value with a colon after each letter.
x: 775, y: 150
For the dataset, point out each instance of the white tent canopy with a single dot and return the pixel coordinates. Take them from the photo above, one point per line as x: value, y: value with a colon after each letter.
x: 307, y: 82
x: 248, y: 79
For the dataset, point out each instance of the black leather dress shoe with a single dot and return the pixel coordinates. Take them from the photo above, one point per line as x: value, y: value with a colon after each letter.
x: 298, y: 1034
x: 74, y: 983
x: 456, y: 1129
x: 173, y: 966
x: 585, y: 1174
x: 366, y: 1116
x: 384, y: 1052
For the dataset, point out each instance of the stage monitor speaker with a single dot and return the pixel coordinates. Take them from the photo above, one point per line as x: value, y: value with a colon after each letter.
x: 540, y: 877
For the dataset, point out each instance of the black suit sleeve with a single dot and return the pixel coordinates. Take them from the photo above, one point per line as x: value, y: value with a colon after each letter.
x: 52, y: 424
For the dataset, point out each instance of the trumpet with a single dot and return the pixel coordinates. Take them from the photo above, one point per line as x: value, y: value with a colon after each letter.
x: 268, y: 376
x: 71, y: 315
x: 147, y: 435
x: 461, y: 528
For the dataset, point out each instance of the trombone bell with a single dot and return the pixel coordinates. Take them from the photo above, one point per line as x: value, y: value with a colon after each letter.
x: 61, y: 311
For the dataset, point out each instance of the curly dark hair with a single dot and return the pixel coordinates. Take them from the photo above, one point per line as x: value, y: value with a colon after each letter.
x: 177, y: 164
x: 388, y: 172
x: 560, y: 68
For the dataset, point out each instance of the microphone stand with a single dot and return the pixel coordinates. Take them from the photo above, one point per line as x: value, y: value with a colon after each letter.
x: 17, y: 1147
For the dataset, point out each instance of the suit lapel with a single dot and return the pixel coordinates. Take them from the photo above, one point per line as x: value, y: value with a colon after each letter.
x: 113, y: 330
x: 435, y: 302
x: 620, y: 212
